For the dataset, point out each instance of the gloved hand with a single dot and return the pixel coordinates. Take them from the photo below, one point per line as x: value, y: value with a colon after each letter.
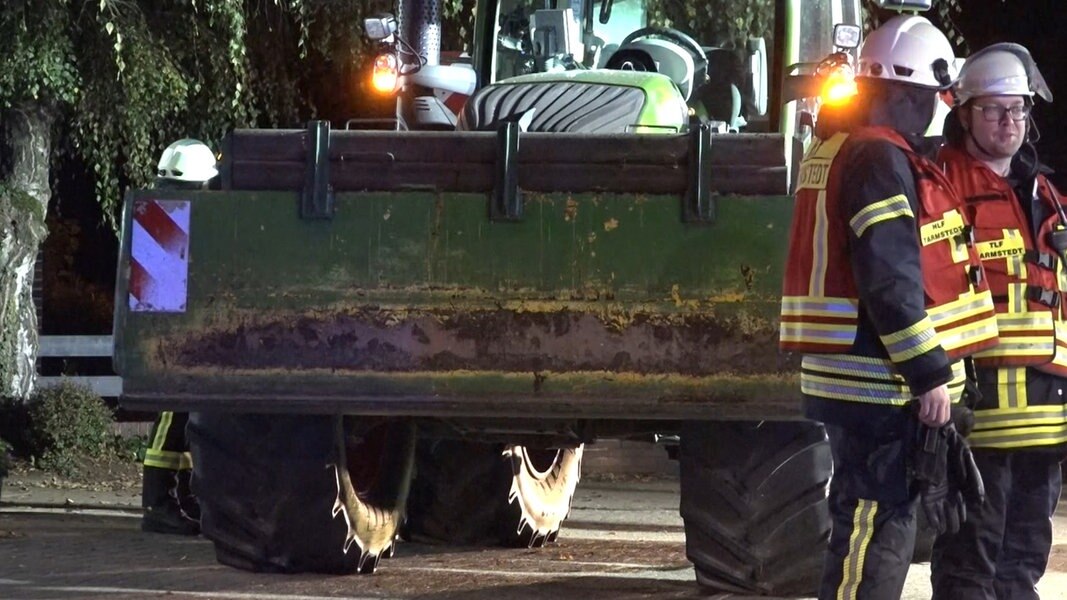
x: 946, y: 475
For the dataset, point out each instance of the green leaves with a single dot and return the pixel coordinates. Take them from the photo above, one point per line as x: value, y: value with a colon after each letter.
x: 723, y: 23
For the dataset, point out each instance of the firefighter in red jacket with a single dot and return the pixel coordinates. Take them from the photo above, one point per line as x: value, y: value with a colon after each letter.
x: 884, y: 294
x: 166, y: 495
x: 1020, y: 428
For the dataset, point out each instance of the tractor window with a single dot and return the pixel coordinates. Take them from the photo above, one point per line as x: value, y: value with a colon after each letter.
x: 627, y: 16
x: 817, y: 21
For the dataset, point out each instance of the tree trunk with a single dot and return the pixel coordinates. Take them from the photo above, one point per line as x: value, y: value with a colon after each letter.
x: 25, y: 142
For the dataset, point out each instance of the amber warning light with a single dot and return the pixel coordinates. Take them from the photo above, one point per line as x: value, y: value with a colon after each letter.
x: 386, y: 72
x: 839, y: 86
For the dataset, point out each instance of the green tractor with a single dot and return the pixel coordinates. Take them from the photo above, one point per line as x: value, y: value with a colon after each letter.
x: 576, y: 233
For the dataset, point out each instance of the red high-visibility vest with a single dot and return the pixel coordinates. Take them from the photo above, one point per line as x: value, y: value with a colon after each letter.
x: 1026, y: 274
x: 820, y: 300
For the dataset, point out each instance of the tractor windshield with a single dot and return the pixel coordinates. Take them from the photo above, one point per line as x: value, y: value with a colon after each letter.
x: 721, y: 65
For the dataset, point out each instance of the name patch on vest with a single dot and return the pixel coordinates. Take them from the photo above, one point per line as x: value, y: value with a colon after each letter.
x: 815, y: 168
x: 1003, y: 248
x: 947, y: 227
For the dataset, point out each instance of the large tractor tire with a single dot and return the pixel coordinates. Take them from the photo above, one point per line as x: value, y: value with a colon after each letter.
x: 288, y: 494
x: 753, y: 499
x: 472, y: 493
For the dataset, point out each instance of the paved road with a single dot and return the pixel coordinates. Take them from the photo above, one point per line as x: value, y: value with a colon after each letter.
x: 624, y: 540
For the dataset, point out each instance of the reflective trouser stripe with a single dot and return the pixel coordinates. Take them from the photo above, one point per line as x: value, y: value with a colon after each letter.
x: 165, y: 459
x: 165, y: 419
x: 156, y: 456
x: 862, y: 532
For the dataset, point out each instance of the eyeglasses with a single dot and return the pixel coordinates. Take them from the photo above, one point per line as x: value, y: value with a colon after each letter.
x: 995, y: 112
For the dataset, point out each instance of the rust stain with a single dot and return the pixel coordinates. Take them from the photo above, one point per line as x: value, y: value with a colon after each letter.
x: 570, y: 211
x: 379, y: 340
x: 611, y: 224
x: 749, y: 276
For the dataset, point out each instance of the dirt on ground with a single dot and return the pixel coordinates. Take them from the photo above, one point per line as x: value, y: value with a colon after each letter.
x: 110, y: 473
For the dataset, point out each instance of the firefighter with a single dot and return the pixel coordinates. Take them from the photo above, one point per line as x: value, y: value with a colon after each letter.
x: 882, y: 338
x: 169, y: 504
x: 1020, y: 426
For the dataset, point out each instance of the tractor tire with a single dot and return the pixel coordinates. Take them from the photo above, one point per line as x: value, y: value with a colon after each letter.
x: 291, y: 493
x: 754, y: 504
x: 471, y: 493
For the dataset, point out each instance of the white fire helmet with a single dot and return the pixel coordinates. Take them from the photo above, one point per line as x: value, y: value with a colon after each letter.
x: 1004, y: 69
x: 909, y: 49
x: 187, y: 160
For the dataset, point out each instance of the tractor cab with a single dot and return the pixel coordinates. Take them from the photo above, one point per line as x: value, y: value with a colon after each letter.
x: 613, y: 66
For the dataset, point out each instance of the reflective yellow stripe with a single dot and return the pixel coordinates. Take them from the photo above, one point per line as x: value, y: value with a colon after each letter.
x: 156, y: 456
x: 883, y: 210
x: 1028, y: 416
x: 1039, y: 344
x: 165, y: 419
x: 166, y: 459
x: 815, y: 168
x: 818, y: 333
x: 947, y: 227
x: 837, y: 377
x: 862, y: 532
x: 945, y: 317
x: 1019, y: 438
x: 1011, y: 387
x: 818, y: 306
x: 1022, y: 321
x: 965, y: 335
x: 912, y: 341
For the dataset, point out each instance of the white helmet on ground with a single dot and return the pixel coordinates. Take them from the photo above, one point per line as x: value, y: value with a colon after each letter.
x: 908, y: 49
x: 1001, y: 70
x: 187, y: 160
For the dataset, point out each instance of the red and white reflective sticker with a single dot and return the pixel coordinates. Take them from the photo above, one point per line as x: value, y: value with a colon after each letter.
x: 159, y: 256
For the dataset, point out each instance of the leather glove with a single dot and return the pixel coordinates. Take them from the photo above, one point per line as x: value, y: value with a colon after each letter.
x: 962, y: 419
x: 942, y: 467
x: 963, y: 473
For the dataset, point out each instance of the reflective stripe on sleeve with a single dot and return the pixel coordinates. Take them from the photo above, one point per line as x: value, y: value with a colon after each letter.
x: 912, y: 341
x: 883, y: 210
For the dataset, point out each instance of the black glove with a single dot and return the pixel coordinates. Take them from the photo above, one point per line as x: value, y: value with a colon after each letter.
x: 963, y: 473
x: 962, y: 419
x: 946, y: 476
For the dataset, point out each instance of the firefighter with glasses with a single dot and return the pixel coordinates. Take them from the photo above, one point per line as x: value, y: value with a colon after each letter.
x: 1020, y: 421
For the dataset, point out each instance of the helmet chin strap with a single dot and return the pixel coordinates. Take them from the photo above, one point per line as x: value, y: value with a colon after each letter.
x: 977, y: 144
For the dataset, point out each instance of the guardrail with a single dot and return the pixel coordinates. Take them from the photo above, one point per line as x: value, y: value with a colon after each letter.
x: 79, y: 346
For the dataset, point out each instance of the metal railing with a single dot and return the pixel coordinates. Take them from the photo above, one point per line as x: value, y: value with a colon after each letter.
x: 79, y: 346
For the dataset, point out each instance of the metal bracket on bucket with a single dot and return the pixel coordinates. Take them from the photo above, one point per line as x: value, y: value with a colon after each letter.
x: 506, y: 202
x: 316, y: 202
x: 698, y: 205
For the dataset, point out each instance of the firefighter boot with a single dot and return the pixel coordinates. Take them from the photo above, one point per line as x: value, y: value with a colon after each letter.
x: 162, y: 511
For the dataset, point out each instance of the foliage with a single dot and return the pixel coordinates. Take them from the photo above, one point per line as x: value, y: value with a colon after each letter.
x: 127, y: 77
x: 65, y: 423
x: 724, y: 23
x: 944, y: 15
x: 5, y: 457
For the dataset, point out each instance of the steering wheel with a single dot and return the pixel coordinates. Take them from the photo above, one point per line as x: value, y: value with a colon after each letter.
x: 700, y: 59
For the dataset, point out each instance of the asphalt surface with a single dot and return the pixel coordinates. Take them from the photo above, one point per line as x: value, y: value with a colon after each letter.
x: 623, y: 540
